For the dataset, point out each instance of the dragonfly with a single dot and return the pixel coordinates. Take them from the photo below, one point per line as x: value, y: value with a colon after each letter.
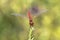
x: 30, y: 19
x: 32, y: 11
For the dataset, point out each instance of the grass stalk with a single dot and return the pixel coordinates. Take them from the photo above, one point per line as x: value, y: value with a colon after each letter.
x: 31, y: 37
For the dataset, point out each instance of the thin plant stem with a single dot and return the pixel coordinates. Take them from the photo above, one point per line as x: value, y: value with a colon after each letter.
x: 31, y: 37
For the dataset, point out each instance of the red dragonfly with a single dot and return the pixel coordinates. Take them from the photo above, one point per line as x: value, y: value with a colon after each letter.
x: 33, y: 11
x: 30, y: 19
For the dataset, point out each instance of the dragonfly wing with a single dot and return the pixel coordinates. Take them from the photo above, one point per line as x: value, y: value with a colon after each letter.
x: 43, y: 10
x: 40, y: 11
x: 36, y: 10
x: 17, y: 14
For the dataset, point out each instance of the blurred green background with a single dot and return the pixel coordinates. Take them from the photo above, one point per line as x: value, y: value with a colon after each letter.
x: 47, y: 25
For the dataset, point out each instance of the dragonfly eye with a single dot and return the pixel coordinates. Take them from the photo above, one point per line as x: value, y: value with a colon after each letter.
x: 34, y: 10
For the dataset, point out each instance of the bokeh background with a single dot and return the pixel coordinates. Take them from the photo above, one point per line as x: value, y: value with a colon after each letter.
x: 47, y: 25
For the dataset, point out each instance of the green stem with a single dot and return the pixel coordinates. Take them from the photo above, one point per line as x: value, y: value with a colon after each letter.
x: 31, y: 34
